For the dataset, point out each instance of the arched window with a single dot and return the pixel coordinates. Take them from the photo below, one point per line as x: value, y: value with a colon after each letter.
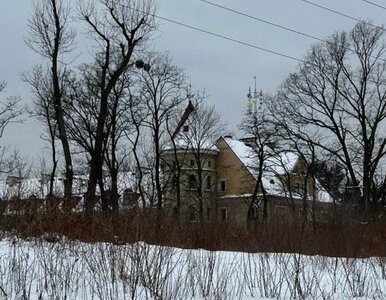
x: 192, y: 183
x: 209, y: 183
x: 174, y: 182
x: 191, y: 213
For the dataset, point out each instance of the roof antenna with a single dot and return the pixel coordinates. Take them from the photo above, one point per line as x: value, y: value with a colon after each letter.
x: 255, y: 91
x: 249, y: 95
x: 252, y: 98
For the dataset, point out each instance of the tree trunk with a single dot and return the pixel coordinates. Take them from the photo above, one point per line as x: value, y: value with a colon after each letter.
x: 97, y: 156
x: 157, y: 168
x: 58, y: 95
x: 91, y: 188
x: 114, y: 195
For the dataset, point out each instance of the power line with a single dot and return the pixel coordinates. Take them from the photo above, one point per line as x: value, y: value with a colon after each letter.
x: 272, y: 23
x: 375, y: 4
x: 223, y: 36
x: 343, y: 14
x: 217, y: 35
x: 263, y: 21
x: 333, y: 11
x: 228, y: 38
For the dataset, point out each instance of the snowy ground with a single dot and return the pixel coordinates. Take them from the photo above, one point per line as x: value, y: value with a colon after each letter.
x: 65, y: 269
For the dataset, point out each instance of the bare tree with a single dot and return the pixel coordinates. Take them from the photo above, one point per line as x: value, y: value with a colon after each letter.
x: 82, y: 113
x: 336, y: 101
x: 262, y: 136
x: 204, y: 127
x: 52, y: 38
x: 331, y: 176
x: 44, y: 111
x: 135, y: 133
x: 117, y: 122
x: 160, y: 89
x: 118, y: 28
x: 175, y: 165
x: 10, y: 110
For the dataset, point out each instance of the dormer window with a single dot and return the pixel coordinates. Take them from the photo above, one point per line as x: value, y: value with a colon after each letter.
x: 13, y: 180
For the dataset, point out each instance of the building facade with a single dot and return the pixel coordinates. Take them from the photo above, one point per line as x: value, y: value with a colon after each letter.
x: 216, y: 183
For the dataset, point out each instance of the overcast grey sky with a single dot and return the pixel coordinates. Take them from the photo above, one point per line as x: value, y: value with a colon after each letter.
x: 223, y: 68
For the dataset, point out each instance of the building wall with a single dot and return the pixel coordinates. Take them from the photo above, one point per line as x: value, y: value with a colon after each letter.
x: 279, y: 208
x: 189, y: 195
x: 236, y: 209
x: 297, y: 178
x: 237, y: 178
x: 230, y: 205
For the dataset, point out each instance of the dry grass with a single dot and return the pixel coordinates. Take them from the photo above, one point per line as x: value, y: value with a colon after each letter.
x: 340, y: 237
x: 54, y: 267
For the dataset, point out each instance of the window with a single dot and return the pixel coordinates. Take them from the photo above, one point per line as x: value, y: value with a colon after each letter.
x: 191, y: 163
x: 174, y: 182
x: 13, y: 180
x: 209, y: 163
x: 208, y: 213
x: 127, y: 195
x: 192, y: 213
x: 209, y: 183
x: 192, y: 184
x: 175, y: 210
x: 221, y: 185
x: 253, y: 212
x: 223, y: 214
x: 299, y: 188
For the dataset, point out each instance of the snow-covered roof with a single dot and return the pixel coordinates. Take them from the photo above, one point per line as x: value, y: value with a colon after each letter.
x: 184, y: 144
x: 276, y: 164
x: 322, y: 195
x: 230, y: 196
x: 34, y: 186
x: 244, y: 153
x: 279, y: 163
x: 283, y: 162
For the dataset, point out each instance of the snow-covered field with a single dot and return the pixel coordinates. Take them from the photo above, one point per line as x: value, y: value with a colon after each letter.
x: 37, y: 269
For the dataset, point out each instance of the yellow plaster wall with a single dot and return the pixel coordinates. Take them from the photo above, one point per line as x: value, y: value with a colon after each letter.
x: 229, y: 167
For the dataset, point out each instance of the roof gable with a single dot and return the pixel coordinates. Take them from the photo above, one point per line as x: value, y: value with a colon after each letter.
x: 278, y: 163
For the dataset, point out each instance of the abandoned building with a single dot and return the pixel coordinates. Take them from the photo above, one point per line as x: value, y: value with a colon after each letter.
x: 217, y: 182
